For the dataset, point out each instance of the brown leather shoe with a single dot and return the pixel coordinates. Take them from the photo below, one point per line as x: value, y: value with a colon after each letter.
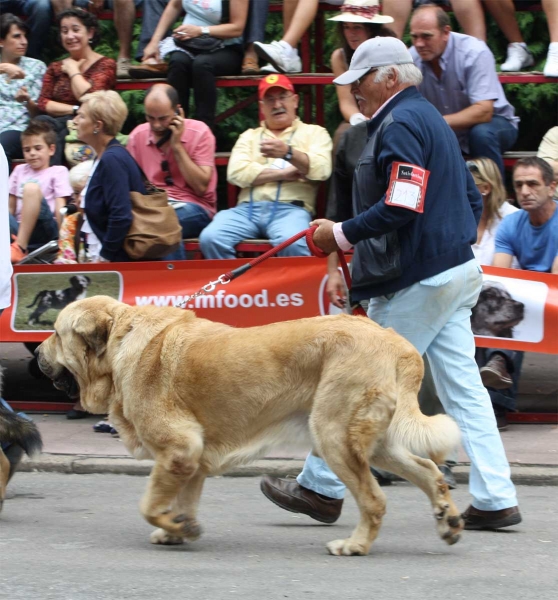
x: 491, y: 519
x: 495, y: 374
x: 290, y: 495
x: 148, y: 70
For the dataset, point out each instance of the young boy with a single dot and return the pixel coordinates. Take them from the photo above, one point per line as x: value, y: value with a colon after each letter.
x: 37, y: 192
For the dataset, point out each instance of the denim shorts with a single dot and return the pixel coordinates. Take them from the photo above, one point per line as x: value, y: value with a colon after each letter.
x: 46, y: 228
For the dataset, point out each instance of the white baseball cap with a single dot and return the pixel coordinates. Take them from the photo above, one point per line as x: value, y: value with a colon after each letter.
x: 376, y: 52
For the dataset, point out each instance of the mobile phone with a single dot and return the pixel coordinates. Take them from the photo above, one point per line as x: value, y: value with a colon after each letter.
x: 167, y: 135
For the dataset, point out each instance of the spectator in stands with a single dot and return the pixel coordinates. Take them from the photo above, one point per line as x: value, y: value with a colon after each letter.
x: 38, y: 14
x: 283, y: 55
x: 495, y: 207
x: 548, y: 150
x: 37, y: 192
x: 84, y: 71
x: 115, y: 174
x: 529, y: 235
x: 278, y: 167
x: 20, y: 83
x: 470, y: 16
x: 358, y: 22
x: 123, y: 18
x: 177, y: 155
x: 411, y: 256
x: 460, y: 80
x: 191, y: 68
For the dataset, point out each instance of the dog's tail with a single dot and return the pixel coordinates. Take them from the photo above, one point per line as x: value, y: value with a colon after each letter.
x: 35, y: 301
x: 20, y: 431
x: 434, y: 437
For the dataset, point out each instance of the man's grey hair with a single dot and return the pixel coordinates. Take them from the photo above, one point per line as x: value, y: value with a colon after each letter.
x: 408, y: 74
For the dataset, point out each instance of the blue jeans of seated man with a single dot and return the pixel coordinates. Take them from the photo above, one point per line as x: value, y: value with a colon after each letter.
x: 193, y: 218
x: 39, y: 17
x: 434, y: 315
x: 492, y: 139
x: 45, y: 230
x: 229, y: 227
x: 514, y: 359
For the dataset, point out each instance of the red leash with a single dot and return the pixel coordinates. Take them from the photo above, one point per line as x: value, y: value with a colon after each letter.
x: 309, y: 234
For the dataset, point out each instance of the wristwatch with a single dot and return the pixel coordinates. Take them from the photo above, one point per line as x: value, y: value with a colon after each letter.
x: 205, y: 30
x: 75, y: 108
x: 289, y: 154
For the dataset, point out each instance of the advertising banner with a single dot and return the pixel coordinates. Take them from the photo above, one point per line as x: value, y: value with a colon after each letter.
x: 516, y: 309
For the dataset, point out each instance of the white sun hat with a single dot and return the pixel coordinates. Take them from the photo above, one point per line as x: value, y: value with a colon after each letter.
x: 361, y: 11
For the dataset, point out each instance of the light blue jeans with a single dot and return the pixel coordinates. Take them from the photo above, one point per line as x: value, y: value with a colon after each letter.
x: 434, y: 315
x: 229, y: 227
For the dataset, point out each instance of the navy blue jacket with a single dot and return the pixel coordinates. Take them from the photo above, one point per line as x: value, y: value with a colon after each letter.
x: 107, y: 203
x: 397, y: 247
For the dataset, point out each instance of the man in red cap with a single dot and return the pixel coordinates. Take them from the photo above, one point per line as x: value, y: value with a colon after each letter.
x: 278, y: 167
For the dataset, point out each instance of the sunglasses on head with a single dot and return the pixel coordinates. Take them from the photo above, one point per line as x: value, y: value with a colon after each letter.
x: 166, y: 170
x: 472, y: 166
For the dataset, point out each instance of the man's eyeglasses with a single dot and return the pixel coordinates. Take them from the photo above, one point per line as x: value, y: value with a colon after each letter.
x: 361, y: 79
x: 271, y: 100
x: 166, y: 170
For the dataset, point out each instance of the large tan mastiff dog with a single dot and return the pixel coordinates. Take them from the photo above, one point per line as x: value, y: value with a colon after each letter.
x: 199, y: 397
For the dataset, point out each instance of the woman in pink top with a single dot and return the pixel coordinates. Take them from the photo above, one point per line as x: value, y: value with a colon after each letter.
x: 83, y: 72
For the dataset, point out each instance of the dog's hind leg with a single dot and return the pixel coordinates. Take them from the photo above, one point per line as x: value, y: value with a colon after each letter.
x: 176, y: 466
x: 423, y: 473
x: 346, y: 445
x: 185, y: 505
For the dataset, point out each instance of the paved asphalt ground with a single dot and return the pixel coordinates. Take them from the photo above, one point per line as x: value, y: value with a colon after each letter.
x: 81, y: 537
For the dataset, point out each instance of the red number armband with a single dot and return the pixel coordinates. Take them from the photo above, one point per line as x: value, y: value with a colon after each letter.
x: 407, y: 186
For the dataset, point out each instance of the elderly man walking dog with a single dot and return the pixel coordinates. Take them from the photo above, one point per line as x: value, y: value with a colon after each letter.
x: 417, y: 210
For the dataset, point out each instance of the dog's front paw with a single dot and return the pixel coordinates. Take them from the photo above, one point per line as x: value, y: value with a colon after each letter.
x: 346, y: 548
x: 160, y: 536
x: 448, y: 522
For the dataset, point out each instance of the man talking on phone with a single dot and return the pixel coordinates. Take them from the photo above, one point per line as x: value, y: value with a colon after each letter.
x: 178, y: 156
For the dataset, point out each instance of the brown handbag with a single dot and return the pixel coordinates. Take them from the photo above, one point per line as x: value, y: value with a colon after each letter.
x: 155, y: 230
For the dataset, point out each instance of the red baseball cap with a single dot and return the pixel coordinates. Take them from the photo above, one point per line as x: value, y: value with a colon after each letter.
x: 274, y: 80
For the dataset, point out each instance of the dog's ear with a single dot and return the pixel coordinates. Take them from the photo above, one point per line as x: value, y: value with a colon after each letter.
x: 94, y: 327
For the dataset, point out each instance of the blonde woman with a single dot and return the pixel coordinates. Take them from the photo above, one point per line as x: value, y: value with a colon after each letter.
x: 495, y: 206
x: 114, y: 174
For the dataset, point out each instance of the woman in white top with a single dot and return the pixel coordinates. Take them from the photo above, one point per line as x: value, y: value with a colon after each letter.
x: 495, y: 207
x: 220, y: 22
x: 358, y: 22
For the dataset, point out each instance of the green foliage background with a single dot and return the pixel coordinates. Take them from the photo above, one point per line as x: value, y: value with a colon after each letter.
x: 536, y: 105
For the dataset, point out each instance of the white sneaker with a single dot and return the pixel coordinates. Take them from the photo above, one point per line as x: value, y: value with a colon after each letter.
x: 518, y: 57
x: 269, y: 68
x: 123, y: 68
x: 278, y: 56
x: 551, y: 66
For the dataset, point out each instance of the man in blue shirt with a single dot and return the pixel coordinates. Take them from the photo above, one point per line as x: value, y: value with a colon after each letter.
x: 460, y: 80
x: 531, y: 236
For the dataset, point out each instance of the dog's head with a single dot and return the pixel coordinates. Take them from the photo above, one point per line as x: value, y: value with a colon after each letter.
x: 496, y: 312
x: 76, y: 356
x: 80, y: 282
